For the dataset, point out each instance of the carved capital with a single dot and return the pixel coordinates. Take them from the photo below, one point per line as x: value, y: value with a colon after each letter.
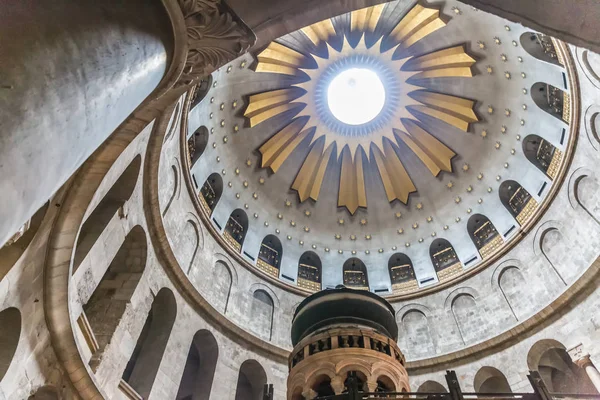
x: 215, y: 36
x: 309, y: 394
x: 337, y: 384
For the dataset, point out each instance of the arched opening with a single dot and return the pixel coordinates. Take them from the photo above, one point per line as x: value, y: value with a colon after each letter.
x: 10, y: 332
x: 432, y: 387
x: 198, y: 374
x: 559, y: 373
x: 484, y: 235
x: 385, y: 385
x: 147, y: 355
x: 552, y: 100
x: 261, y: 314
x: 251, y: 380
x: 14, y: 248
x: 517, y: 200
x: 45, y: 393
x: 490, y: 380
x: 322, y: 386
x: 470, y: 325
x: 108, y: 302
x: 211, y: 192
x: 113, y: 202
x: 513, y: 285
x: 236, y: 228
x: 189, y: 243
x: 554, y: 248
x: 309, y: 271
x: 444, y: 259
x: 402, y: 273
x: 356, y: 380
x: 544, y: 155
x: 416, y: 335
x: 269, y: 256
x: 540, y: 46
x: 355, y: 274
x: 587, y: 195
x: 200, y: 91
x: 173, y: 185
x: 221, y: 286
x: 196, y: 145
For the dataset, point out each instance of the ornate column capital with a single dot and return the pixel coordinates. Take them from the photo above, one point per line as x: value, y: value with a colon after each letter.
x: 337, y: 384
x: 215, y: 36
x: 309, y: 394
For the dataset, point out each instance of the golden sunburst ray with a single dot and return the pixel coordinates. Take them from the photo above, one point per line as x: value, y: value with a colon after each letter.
x: 409, y: 99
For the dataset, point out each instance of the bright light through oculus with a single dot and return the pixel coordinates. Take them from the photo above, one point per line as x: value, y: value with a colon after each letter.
x: 356, y: 96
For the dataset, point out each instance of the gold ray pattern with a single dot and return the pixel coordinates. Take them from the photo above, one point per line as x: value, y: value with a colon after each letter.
x: 403, y: 124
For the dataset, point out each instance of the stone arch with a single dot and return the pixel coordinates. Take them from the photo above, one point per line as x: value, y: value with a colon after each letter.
x: 251, y: 379
x: 211, y: 192
x: 236, y: 229
x: 355, y: 274
x: 10, y: 332
x: 142, y: 368
x: 517, y: 200
x: 199, y: 371
x: 550, y: 358
x: 509, y: 279
x: 417, y: 332
x: 261, y: 314
x: 173, y: 122
x: 592, y: 125
x: 385, y: 384
x: 588, y: 62
x: 107, y: 304
x: 321, y: 385
x: 543, y: 154
x: 551, y: 100
x: 402, y: 273
x: 539, y: 46
x: 14, y: 248
x: 553, y: 247
x: 111, y: 204
x: 221, y: 282
x: 444, y: 259
x: 269, y: 255
x: 189, y: 244
x: 45, y: 393
x: 432, y: 387
x: 483, y: 234
x: 309, y: 271
x: 490, y: 380
x: 463, y: 306
x: 173, y: 185
x: 196, y: 145
x: 587, y: 194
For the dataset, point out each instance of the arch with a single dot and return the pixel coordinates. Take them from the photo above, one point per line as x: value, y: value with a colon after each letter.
x: 173, y: 122
x: 550, y: 358
x: 551, y: 99
x: 444, y: 259
x: 511, y: 282
x: 261, y: 314
x: 587, y: 195
x: 355, y: 274
x: 432, y: 387
x: 173, y: 185
x: 385, y: 384
x: 142, y: 368
x: 236, y: 229
x: 483, y: 234
x: 417, y: 334
x: 112, y: 202
x: 45, y: 393
x: 221, y: 283
x: 309, y: 271
x: 554, y: 248
x: 543, y: 154
x: 269, y: 255
x: 200, y: 91
x: 189, y: 244
x: 14, y: 248
x: 107, y: 304
x: 251, y: 379
x: 10, y: 332
x: 517, y: 200
x: 540, y: 46
x: 196, y: 145
x: 199, y: 371
x: 469, y: 323
x: 211, y: 192
x: 402, y: 273
x: 322, y: 385
x: 490, y: 380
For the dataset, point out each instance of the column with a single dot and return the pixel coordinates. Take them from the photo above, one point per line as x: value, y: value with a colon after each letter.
x: 590, y: 369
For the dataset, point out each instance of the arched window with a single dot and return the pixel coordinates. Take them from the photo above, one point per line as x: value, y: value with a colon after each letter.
x: 211, y: 191
x: 402, y: 273
x: 261, y: 314
x: 543, y: 154
x: 114, y: 200
x: 355, y: 274
x: 517, y: 201
x: 552, y: 100
x: 200, y: 91
x: 251, y: 380
x: 236, y: 228
x: 540, y: 46
x: 483, y: 234
x: 10, y: 332
x: 490, y: 380
x: 196, y: 145
x: 444, y: 259
x: 143, y: 365
x: 309, y: 271
x: 269, y: 255
x: 106, y: 306
x: 198, y: 374
x: 432, y: 387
